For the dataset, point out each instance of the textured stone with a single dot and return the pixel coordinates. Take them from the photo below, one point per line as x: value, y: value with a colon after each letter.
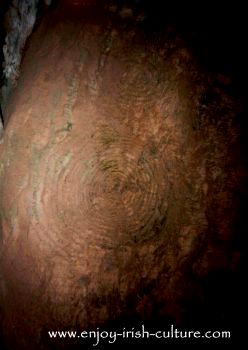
x: 120, y: 165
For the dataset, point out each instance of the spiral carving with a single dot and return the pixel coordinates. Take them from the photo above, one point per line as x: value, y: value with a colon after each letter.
x: 106, y: 195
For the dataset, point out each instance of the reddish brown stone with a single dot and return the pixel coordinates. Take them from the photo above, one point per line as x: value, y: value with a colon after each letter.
x: 116, y: 180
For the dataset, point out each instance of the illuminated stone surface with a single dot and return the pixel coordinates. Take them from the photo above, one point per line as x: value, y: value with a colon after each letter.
x: 116, y: 177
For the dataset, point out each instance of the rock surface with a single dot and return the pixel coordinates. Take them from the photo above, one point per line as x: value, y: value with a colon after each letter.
x: 18, y: 18
x: 119, y: 180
